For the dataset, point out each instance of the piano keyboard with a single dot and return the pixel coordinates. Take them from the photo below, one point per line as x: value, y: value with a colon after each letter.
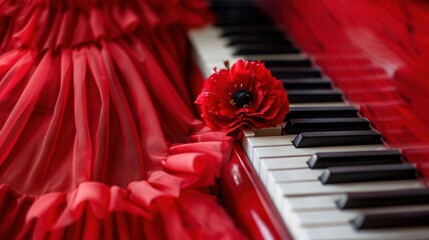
x: 327, y: 171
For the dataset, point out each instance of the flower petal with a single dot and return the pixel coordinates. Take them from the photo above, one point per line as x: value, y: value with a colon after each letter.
x: 269, y: 103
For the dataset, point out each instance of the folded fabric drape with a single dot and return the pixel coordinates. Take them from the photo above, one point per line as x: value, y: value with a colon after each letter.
x: 98, y: 132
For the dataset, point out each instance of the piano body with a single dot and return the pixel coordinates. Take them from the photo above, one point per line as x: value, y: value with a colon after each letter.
x: 351, y: 161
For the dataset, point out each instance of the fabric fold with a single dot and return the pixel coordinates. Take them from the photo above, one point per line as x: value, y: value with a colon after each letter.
x: 92, y: 142
x: 98, y: 133
x: 57, y: 24
x: 170, y: 199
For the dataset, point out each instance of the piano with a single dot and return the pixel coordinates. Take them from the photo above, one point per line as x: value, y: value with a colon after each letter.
x: 350, y: 160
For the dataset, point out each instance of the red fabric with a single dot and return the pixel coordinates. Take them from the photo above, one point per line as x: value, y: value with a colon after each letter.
x: 377, y: 53
x: 52, y: 24
x: 8, y: 10
x: 97, y: 127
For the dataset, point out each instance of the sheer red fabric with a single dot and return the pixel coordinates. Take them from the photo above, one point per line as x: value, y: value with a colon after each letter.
x: 97, y: 127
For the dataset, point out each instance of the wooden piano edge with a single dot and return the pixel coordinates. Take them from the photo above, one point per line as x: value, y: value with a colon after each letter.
x: 247, y: 201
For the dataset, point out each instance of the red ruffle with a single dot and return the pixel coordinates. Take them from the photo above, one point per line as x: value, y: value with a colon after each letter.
x: 52, y: 24
x: 85, y: 125
x: 96, y: 211
x: 83, y: 130
x: 100, y: 110
x: 13, y: 210
x: 167, y: 205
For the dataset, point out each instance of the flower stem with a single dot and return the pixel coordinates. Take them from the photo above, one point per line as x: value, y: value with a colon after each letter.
x: 226, y: 63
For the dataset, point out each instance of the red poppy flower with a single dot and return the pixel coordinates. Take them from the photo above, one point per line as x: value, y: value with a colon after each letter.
x: 245, y: 95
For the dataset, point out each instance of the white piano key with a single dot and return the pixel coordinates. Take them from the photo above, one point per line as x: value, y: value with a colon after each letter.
x: 289, y: 205
x: 206, y: 34
x: 209, y: 49
x: 272, y: 164
x: 326, y: 104
x: 291, y: 151
x: 337, y: 216
x: 303, y: 213
x: 273, y: 56
x: 213, y: 51
x: 219, y: 63
x: 317, y: 188
x: 294, y: 175
x: 207, y: 66
x: 310, y: 203
x: 290, y: 56
x: 249, y: 144
x: 264, y: 132
x: 346, y: 232
x: 281, y: 193
x: 208, y: 45
x: 318, y: 218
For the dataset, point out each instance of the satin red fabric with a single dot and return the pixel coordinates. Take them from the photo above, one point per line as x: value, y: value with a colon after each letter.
x: 98, y: 133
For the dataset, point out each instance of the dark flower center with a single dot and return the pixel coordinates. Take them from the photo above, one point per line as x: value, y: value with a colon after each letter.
x: 242, y: 98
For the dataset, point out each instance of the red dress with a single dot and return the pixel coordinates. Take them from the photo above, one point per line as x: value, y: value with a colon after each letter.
x: 98, y: 133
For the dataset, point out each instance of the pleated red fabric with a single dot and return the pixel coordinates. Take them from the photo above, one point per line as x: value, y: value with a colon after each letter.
x: 98, y: 133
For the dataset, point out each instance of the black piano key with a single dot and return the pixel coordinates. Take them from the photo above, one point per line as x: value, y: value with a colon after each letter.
x: 391, y: 220
x: 241, y: 22
x: 220, y: 6
x: 252, y: 31
x: 384, y: 199
x: 246, y: 18
x: 313, y: 96
x: 295, y: 72
x: 240, y: 13
x: 384, y: 172
x: 288, y: 63
x: 302, y: 84
x: 231, y: 4
x: 295, y: 126
x: 254, y: 49
x: 248, y: 13
x: 234, y: 18
x: 352, y: 158
x: 322, y: 112
x: 337, y: 138
x: 276, y: 40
